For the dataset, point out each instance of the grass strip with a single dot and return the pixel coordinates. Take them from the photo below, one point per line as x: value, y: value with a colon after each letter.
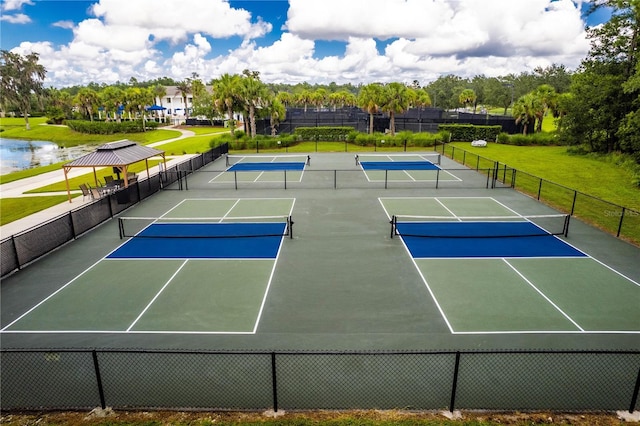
x: 17, y: 208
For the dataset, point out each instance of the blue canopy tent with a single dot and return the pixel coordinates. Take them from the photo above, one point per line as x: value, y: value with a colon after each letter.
x: 156, y: 108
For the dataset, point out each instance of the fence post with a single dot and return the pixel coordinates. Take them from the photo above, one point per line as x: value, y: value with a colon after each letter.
x: 274, y: 382
x: 634, y: 398
x: 539, y: 188
x: 454, y: 385
x: 96, y: 367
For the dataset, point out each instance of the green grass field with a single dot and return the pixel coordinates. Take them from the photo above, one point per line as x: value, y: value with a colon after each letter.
x: 585, y: 174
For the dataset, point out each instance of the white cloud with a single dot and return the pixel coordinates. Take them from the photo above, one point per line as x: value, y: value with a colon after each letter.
x: 15, y: 4
x: 18, y: 18
x: 424, y: 39
x: 212, y: 17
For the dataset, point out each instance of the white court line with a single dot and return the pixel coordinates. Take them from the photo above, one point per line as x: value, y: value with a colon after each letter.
x: 157, y: 295
x: 543, y: 295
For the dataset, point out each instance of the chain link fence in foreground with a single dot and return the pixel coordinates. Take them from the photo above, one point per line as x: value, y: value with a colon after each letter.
x: 197, y: 380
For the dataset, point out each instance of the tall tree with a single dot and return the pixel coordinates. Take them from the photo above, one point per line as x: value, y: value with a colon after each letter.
x: 467, y: 97
x: 184, y: 87
x: 87, y: 100
x: 226, y: 89
x: 599, y: 109
x: 252, y: 95
x: 396, y: 98
x: 21, y: 78
x: 525, y: 110
x: 369, y: 99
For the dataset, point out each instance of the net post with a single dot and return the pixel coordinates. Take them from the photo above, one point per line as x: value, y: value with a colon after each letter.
x: 121, y: 227
x: 235, y: 178
x: 437, y: 178
x: 290, y: 226
x: 393, y: 222
x: 567, y: 219
x: 285, y: 179
x: 386, y: 173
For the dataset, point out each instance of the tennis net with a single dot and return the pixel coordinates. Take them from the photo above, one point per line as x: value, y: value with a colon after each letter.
x: 479, y: 226
x: 205, y: 227
x: 290, y: 158
x: 433, y: 158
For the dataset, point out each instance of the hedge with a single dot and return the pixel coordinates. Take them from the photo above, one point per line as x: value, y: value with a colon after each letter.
x: 323, y: 133
x: 109, y: 127
x: 469, y: 132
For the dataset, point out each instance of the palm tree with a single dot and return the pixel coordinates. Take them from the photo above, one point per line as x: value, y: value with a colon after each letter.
x: 184, y: 87
x: 396, y: 99
x: 252, y: 95
x: 277, y: 114
x: 225, y: 90
x: 87, y: 99
x: 467, y: 97
x: 304, y: 98
x: 548, y: 98
x: 525, y: 110
x: 112, y: 98
x: 369, y: 99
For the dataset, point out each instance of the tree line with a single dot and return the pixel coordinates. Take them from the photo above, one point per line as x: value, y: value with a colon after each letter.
x: 597, y: 105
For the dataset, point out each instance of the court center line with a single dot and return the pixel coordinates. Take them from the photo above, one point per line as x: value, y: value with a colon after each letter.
x: 157, y: 295
x: 542, y: 294
x: 455, y: 216
x: 229, y: 211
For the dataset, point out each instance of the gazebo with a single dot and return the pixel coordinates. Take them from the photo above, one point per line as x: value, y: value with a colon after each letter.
x: 119, y: 155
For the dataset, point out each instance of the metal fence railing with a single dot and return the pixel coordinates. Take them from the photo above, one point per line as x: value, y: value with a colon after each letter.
x: 23, y: 248
x: 55, y: 379
x: 623, y: 222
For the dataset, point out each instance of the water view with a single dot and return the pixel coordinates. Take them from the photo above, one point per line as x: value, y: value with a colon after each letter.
x: 20, y: 154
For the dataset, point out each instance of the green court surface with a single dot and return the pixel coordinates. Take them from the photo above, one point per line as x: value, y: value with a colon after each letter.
x: 342, y: 282
x: 516, y: 295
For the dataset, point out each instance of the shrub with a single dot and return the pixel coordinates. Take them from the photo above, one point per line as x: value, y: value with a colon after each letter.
x: 109, y: 127
x: 323, y: 133
x: 470, y: 132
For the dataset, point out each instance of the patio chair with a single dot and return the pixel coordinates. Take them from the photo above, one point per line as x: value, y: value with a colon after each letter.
x: 85, y: 191
x: 95, y: 193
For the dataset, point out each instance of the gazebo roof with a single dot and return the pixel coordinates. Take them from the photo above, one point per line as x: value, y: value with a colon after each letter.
x: 119, y: 153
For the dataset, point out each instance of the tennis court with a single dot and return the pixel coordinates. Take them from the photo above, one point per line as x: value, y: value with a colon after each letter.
x: 159, y: 279
x: 221, y: 261
x: 399, y: 167
x: 263, y: 168
x: 503, y: 272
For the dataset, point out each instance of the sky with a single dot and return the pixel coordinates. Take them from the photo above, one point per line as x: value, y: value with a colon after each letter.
x: 294, y: 41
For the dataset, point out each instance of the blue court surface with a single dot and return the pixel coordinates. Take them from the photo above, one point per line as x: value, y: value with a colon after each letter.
x: 398, y: 165
x: 481, y: 239
x: 204, y: 241
x: 275, y: 166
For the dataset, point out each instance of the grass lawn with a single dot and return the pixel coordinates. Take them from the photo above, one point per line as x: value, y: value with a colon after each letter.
x: 585, y: 174
x: 595, y: 180
x: 17, y: 208
x: 14, y: 128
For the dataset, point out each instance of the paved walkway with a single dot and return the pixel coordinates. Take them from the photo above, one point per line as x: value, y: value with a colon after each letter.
x: 18, y: 188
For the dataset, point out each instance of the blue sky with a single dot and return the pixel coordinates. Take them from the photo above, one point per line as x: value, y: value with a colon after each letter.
x: 290, y: 41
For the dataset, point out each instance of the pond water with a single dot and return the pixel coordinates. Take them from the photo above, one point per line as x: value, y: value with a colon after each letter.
x: 19, y: 154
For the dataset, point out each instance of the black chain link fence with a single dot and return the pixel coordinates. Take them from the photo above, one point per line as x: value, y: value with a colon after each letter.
x: 506, y: 380
x: 21, y: 249
x: 621, y: 221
